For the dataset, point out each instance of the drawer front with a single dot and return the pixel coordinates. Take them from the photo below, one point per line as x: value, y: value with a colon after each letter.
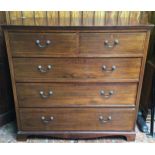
x: 76, y: 94
x: 77, y: 119
x: 112, y: 43
x: 76, y: 69
x: 43, y: 44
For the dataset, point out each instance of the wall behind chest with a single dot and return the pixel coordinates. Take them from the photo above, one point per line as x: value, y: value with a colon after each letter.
x: 76, y: 18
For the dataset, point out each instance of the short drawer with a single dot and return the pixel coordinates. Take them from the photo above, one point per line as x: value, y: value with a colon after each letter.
x: 112, y: 43
x: 43, y: 44
x: 90, y: 119
x: 77, y: 69
x: 76, y: 94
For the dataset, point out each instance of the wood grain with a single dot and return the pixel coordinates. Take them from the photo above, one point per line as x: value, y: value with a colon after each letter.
x: 123, y: 18
x: 52, y: 18
x: 99, y: 18
x: 144, y: 17
x: 134, y: 18
x: 76, y: 95
x: 76, y: 18
x: 40, y: 18
x: 16, y: 17
x: 7, y: 16
x: 64, y: 18
x: 75, y: 69
x: 61, y: 43
x: 24, y: 44
x: 93, y: 43
x: 88, y: 17
x: 28, y: 18
x: 130, y: 136
x: 76, y: 56
x: 77, y: 119
x: 111, y: 18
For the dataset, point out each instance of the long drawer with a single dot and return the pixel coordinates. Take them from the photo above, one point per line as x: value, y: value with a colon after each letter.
x: 43, y: 44
x: 77, y: 69
x: 111, y: 43
x: 76, y: 94
x: 89, y: 119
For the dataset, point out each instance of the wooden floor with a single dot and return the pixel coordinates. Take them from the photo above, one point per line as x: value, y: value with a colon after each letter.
x: 8, y: 135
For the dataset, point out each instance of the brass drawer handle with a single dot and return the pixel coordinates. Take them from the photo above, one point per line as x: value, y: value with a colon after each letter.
x: 47, y: 120
x: 104, y: 68
x: 106, y: 95
x: 104, y: 120
x: 43, y: 95
x: 111, y: 45
x: 38, y: 43
x: 43, y: 69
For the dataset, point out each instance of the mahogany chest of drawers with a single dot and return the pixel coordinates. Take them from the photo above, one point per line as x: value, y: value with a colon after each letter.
x: 77, y: 82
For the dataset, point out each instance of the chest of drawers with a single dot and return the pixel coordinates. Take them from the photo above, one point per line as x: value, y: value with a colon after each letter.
x: 77, y: 82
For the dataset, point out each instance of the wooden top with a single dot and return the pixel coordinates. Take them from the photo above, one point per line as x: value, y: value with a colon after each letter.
x: 146, y: 26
